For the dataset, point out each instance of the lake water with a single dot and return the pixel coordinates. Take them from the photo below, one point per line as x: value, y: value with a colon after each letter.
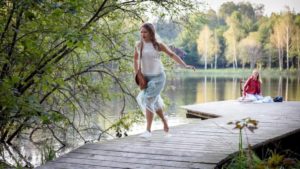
x: 203, y: 89
x: 182, y: 89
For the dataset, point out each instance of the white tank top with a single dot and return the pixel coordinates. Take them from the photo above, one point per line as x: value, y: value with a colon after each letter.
x: 151, y: 62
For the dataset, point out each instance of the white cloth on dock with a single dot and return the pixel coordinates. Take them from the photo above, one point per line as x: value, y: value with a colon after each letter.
x: 255, y: 98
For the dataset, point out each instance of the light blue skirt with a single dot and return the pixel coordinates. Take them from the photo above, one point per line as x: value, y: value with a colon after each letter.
x: 150, y: 98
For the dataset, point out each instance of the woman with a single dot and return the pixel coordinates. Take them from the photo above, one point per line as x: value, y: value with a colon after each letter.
x: 252, y: 88
x: 149, y: 99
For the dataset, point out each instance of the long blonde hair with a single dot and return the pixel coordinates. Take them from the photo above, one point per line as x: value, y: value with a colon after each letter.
x: 258, y: 76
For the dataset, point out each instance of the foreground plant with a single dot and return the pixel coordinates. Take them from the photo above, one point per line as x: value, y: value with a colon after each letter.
x: 247, y: 159
x: 246, y: 123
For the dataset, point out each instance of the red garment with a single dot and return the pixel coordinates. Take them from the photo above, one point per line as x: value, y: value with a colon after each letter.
x: 252, y: 86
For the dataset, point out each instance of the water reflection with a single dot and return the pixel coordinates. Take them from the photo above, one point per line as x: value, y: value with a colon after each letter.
x: 211, y: 88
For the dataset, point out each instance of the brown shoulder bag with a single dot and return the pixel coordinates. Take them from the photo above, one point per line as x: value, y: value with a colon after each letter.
x: 139, y: 77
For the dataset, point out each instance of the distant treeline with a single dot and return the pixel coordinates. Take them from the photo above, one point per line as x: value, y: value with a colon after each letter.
x: 236, y: 36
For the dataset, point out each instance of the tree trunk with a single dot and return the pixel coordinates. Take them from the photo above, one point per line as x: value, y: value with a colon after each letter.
x: 7, y: 66
x: 270, y: 60
x: 234, y: 54
x: 205, y: 61
x: 279, y: 59
x: 279, y: 52
x: 206, y: 52
x: 216, y: 60
x: 17, y: 131
x: 205, y: 89
x: 216, y: 55
x: 243, y: 63
x: 233, y: 65
x: 6, y: 130
x: 279, y: 90
x: 252, y: 60
x: 11, y: 14
x: 298, y: 62
x: 287, y: 48
x: 251, y: 65
x: 298, y: 52
x: 287, y: 88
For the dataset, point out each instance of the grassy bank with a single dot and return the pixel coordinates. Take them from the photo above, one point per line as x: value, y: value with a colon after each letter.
x: 233, y: 72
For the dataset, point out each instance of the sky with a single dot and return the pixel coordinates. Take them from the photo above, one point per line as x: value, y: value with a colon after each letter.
x: 270, y: 5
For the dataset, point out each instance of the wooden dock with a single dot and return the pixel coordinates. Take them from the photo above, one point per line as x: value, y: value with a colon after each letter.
x: 202, y: 144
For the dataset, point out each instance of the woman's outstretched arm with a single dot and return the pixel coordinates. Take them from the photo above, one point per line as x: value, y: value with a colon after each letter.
x: 246, y: 85
x: 175, y: 57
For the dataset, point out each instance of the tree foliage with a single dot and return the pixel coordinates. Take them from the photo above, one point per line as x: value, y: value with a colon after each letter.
x: 207, y: 45
x: 250, y: 49
x: 233, y: 35
x: 61, y: 62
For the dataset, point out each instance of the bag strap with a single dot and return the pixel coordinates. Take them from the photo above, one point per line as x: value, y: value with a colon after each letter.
x: 141, y: 49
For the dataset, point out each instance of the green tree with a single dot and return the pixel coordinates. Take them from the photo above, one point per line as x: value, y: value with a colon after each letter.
x: 250, y: 49
x: 264, y: 32
x: 246, y: 9
x: 208, y: 45
x: 296, y: 40
x: 220, y: 59
x: 287, y: 22
x: 259, y: 10
x: 212, y: 19
x: 187, y: 39
x: 216, y: 47
x: 167, y: 30
x: 277, y: 39
x: 58, y: 59
x: 213, y: 23
x: 226, y: 10
x: 204, y: 43
x: 232, y: 36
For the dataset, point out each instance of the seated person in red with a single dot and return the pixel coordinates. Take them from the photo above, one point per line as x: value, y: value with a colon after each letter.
x: 252, y: 88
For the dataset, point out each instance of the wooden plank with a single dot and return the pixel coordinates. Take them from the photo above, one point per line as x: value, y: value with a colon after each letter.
x: 152, y: 156
x: 179, y: 147
x: 145, y: 150
x: 183, y: 141
x: 152, y: 150
x: 120, y: 164
x: 135, y: 160
x: 63, y: 165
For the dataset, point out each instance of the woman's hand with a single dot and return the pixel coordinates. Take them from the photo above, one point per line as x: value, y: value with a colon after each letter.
x: 189, y: 67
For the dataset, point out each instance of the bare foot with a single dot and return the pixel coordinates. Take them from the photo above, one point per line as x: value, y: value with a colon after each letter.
x: 166, y: 129
x: 166, y: 126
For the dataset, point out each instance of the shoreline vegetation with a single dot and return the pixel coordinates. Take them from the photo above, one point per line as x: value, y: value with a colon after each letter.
x: 234, y: 72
